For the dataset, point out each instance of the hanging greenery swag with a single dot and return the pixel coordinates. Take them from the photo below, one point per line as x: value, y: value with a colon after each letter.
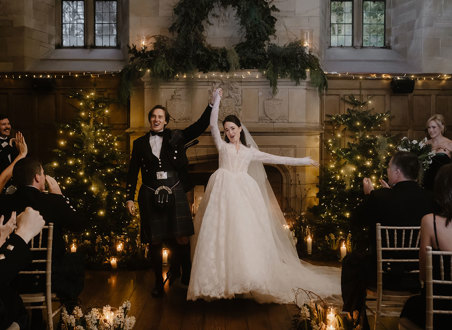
x: 188, y: 51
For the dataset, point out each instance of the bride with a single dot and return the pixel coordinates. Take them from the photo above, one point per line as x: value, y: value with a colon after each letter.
x: 241, y: 248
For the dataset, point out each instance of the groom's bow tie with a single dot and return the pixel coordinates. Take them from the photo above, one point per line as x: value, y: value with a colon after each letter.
x: 157, y: 133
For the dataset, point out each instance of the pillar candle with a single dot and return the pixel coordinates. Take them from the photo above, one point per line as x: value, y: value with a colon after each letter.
x: 309, y: 244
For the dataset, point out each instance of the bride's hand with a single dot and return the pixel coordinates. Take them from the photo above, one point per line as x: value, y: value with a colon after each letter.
x: 314, y: 163
x: 216, y: 96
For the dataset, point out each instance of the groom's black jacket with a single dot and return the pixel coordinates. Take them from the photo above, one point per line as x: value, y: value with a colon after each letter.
x: 172, y: 155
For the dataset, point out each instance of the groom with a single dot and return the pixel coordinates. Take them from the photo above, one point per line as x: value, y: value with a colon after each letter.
x: 164, y: 210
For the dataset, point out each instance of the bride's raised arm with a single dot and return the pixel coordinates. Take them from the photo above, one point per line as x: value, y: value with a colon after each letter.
x: 214, y: 130
x: 273, y: 159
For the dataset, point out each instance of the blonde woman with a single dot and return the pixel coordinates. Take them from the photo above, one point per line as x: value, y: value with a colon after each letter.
x: 441, y: 146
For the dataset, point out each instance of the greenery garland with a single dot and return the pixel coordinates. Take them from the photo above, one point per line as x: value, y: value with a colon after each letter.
x: 188, y: 51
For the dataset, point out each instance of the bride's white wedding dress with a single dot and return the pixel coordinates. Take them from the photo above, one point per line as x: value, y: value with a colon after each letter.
x: 239, y: 249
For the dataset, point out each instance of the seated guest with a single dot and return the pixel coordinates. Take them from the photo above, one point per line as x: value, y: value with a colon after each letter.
x: 14, y: 255
x: 436, y: 232
x: 67, y: 268
x: 402, y: 202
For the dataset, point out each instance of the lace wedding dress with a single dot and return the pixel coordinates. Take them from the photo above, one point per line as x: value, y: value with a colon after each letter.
x: 240, y: 249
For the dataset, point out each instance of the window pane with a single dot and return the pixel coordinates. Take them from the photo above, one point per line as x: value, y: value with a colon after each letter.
x: 73, y: 23
x: 341, y: 21
x: 105, y: 24
x: 373, y: 23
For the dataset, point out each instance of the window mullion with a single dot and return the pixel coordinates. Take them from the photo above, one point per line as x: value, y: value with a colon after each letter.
x: 357, y: 23
x: 89, y: 23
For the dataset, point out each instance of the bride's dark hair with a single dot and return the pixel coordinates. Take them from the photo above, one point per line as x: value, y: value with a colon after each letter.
x: 235, y: 120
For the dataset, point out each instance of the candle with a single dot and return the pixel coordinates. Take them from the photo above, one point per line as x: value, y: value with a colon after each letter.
x: 73, y: 248
x: 114, y: 263
x: 309, y: 244
x: 343, y: 250
x: 119, y: 247
x: 165, y: 256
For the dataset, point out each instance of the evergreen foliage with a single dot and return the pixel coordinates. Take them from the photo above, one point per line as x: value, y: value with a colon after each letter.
x: 89, y: 168
x: 356, y: 149
x: 187, y: 51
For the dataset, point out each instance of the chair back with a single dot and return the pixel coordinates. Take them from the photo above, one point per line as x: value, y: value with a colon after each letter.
x: 396, y: 245
x: 438, y: 285
x: 41, y: 266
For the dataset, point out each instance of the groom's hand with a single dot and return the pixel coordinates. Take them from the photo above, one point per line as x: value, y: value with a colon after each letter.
x: 131, y: 207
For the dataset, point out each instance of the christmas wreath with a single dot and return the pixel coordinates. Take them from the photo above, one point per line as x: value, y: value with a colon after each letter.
x: 187, y: 51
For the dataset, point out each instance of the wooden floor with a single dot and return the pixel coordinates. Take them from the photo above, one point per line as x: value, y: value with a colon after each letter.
x: 173, y: 311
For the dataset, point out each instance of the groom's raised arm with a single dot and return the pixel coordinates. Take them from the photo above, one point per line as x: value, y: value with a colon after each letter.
x: 198, y: 127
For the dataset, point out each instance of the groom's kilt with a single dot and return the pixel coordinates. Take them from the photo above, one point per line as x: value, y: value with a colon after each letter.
x: 158, y: 224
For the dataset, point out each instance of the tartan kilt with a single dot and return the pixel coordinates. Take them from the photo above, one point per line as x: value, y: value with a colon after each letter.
x: 159, y: 224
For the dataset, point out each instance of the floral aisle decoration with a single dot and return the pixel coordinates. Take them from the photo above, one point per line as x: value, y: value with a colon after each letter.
x: 421, y: 148
x: 315, y: 313
x: 187, y: 52
x: 107, y: 318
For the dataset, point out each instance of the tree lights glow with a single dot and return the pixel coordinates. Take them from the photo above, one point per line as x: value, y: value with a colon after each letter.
x: 90, y: 168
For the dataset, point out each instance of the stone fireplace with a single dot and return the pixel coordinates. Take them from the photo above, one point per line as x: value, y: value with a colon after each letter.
x: 287, y: 124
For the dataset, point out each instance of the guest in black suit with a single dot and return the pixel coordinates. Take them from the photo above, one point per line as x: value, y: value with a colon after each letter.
x: 164, y: 210
x: 402, y: 202
x: 67, y: 268
x: 14, y: 256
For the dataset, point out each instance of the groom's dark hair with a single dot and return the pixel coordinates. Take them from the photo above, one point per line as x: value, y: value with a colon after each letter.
x: 234, y: 119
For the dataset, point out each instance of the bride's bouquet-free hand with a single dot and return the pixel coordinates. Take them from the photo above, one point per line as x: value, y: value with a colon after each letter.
x: 422, y: 149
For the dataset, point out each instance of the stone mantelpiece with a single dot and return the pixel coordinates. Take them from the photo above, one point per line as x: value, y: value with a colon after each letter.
x: 286, y: 124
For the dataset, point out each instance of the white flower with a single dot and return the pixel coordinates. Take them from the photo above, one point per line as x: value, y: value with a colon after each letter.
x: 414, y: 141
x: 77, y: 312
x: 304, y: 313
x: 71, y: 320
x: 130, y: 322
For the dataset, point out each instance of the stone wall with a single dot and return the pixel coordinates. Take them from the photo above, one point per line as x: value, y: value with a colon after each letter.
x: 27, y: 32
x: 296, y: 19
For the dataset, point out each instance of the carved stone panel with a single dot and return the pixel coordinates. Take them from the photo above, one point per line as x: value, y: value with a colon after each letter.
x: 177, y: 107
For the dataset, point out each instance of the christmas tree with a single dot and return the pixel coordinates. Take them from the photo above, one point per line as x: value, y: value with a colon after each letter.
x: 356, y: 149
x: 90, y: 169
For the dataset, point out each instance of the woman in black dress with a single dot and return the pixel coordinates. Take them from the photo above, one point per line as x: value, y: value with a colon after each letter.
x: 441, y: 146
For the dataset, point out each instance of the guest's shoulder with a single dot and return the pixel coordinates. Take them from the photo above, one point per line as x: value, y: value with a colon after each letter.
x: 427, y: 221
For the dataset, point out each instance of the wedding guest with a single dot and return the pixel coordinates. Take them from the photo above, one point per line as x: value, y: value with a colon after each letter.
x: 436, y: 230
x: 165, y: 217
x: 8, y: 150
x: 67, y: 268
x: 441, y: 146
x: 14, y: 256
x: 401, y: 202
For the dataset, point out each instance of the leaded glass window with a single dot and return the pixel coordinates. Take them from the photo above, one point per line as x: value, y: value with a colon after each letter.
x: 341, y: 23
x: 373, y: 23
x: 106, y: 13
x: 73, y: 23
